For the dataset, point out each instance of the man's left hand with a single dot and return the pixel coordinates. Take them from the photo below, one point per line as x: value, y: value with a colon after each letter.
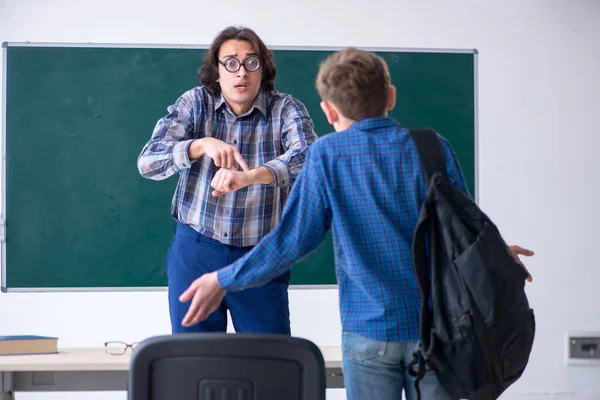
x: 206, y: 294
x: 229, y: 180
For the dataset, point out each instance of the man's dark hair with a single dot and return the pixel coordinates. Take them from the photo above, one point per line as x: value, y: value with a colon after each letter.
x: 209, y: 72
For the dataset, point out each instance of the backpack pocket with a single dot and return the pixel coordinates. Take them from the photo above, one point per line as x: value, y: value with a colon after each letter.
x: 462, y: 370
x: 491, y: 275
x: 516, y: 350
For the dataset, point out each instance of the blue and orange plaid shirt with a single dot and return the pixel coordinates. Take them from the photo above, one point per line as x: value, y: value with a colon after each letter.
x: 274, y: 133
x: 367, y: 185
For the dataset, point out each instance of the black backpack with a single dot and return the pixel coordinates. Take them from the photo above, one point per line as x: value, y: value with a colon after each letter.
x: 476, y: 327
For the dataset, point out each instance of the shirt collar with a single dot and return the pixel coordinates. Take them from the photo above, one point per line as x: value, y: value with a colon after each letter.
x: 374, y: 123
x: 260, y: 103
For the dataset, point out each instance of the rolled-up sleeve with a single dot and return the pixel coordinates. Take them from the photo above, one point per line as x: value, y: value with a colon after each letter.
x: 167, y: 150
x: 180, y: 155
x: 297, y: 133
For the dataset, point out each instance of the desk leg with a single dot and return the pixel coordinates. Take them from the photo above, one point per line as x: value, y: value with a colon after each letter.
x: 6, y: 386
x: 334, y: 378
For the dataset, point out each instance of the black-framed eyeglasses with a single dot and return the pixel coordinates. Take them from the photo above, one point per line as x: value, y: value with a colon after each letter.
x: 232, y: 64
x: 118, y: 348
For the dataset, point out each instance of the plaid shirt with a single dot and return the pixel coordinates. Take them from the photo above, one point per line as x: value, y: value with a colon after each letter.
x: 274, y: 133
x: 367, y: 184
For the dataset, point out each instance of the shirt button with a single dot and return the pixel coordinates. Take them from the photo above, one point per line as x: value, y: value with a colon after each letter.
x: 225, y: 234
x: 235, y: 142
x: 227, y: 212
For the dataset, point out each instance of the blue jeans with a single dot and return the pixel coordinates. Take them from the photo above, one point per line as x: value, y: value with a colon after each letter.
x: 191, y: 254
x: 379, y: 370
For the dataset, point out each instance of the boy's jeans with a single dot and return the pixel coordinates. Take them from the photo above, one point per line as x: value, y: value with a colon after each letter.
x: 379, y: 371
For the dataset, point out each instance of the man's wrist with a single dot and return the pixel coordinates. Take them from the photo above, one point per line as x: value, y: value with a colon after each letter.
x: 196, y: 149
x: 261, y: 175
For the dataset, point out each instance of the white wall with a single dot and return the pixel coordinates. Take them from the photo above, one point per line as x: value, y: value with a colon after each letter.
x: 539, y: 98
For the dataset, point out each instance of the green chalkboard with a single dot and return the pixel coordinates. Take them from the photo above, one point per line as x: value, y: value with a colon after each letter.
x: 78, y: 214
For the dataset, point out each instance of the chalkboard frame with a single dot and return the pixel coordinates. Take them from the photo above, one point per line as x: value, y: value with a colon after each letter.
x: 3, y: 270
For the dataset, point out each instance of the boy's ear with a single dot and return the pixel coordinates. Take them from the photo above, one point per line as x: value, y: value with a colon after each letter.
x: 391, y: 98
x: 330, y: 112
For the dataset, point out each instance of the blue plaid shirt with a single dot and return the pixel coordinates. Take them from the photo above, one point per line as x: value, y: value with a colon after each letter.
x: 367, y: 184
x: 274, y: 133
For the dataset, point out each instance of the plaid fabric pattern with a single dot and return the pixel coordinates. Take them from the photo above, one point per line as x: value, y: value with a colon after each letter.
x: 274, y: 133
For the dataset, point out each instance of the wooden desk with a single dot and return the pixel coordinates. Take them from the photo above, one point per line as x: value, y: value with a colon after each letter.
x: 85, y: 369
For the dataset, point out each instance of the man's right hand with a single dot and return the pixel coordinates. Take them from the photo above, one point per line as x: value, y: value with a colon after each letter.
x: 222, y: 154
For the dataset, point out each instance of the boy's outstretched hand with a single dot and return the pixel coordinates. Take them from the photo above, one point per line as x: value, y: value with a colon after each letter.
x: 206, y: 294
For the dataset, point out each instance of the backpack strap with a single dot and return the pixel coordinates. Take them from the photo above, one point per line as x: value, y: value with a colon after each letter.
x: 433, y: 161
x: 419, y: 253
x: 431, y: 152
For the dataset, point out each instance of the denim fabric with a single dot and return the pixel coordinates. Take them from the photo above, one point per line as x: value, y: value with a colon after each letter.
x: 376, y: 369
x: 263, y: 309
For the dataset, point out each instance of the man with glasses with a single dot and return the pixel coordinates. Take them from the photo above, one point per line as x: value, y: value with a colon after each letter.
x: 238, y: 145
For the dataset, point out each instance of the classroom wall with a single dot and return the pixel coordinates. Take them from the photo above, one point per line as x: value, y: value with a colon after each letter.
x: 539, y: 96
